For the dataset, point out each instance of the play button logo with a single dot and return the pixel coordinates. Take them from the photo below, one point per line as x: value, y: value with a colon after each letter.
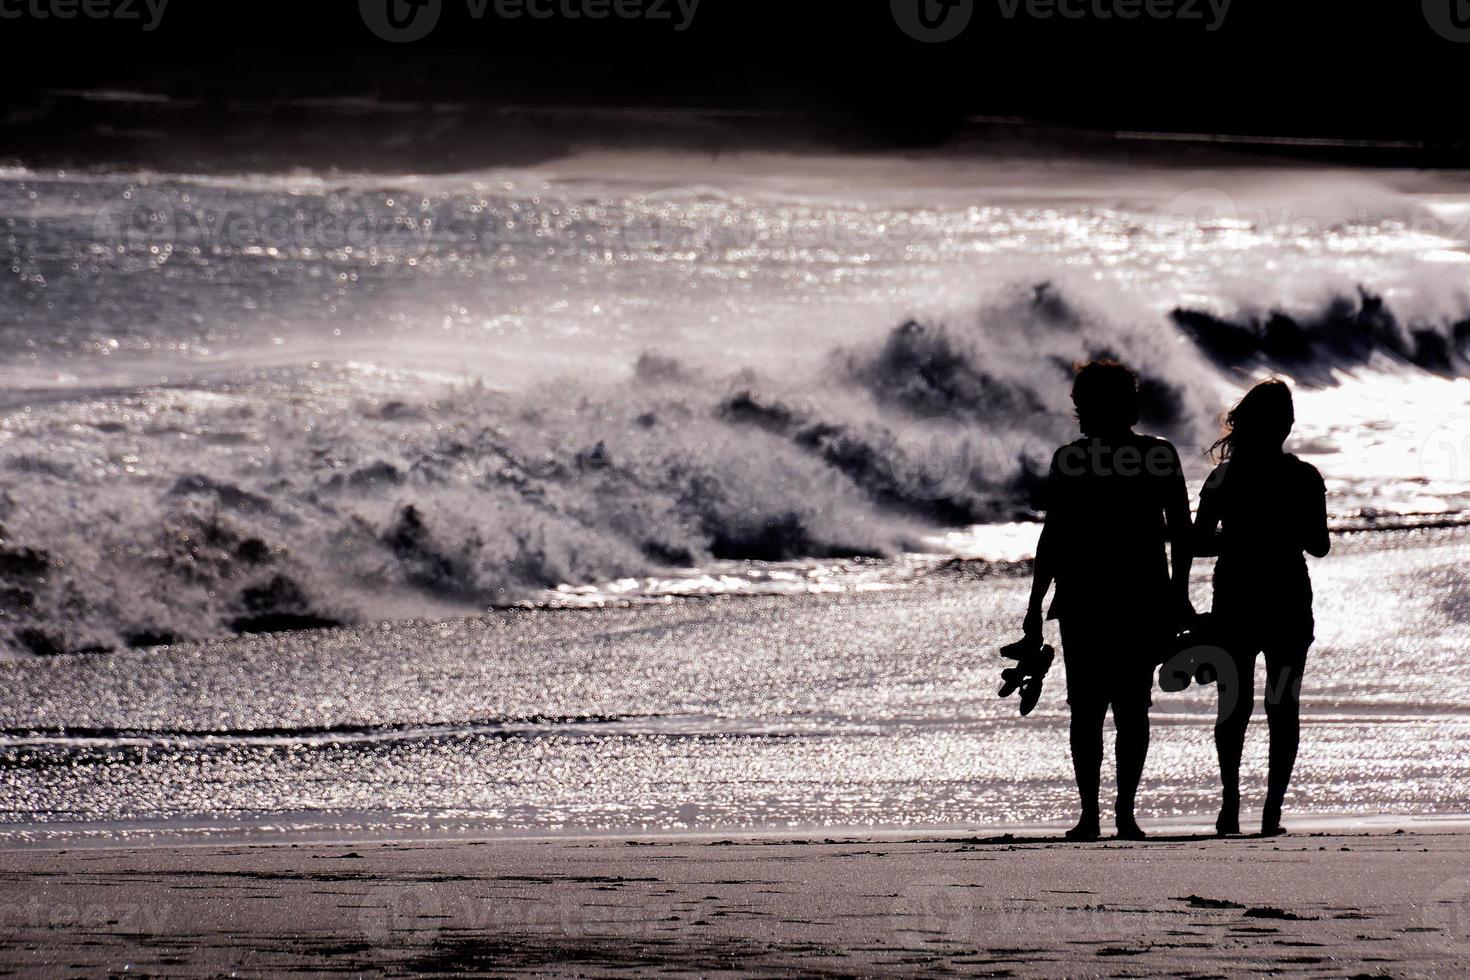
x: 933, y: 21
x: 1449, y: 18
x: 401, y: 21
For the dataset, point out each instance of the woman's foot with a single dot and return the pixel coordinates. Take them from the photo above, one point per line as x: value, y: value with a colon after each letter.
x: 1128, y: 829
x: 1271, y: 820
x: 1089, y: 828
x: 1228, y: 822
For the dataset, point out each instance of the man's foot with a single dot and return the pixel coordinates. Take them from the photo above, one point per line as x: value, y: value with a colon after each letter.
x: 1228, y: 822
x: 1273, y: 830
x: 1089, y: 828
x: 1128, y: 829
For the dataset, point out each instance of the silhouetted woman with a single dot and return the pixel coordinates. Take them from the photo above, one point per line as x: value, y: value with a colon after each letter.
x: 1259, y: 511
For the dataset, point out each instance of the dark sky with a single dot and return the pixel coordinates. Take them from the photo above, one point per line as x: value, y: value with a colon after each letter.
x: 1380, y: 69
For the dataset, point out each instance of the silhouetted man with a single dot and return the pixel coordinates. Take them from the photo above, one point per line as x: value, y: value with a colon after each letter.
x: 1114, y: 498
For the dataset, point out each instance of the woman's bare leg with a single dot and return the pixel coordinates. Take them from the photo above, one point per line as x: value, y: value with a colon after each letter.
x: 1237, y: 700
x: 1283, y: 712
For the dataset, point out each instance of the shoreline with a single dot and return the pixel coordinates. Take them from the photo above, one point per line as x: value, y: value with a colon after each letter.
x: 298, y: 830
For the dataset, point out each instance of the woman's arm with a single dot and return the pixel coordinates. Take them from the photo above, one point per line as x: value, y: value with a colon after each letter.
x: 1206, y: 526
x: 1177, y: 527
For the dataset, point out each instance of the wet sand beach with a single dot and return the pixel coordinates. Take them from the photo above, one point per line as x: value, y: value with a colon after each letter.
x: 1383, y: 904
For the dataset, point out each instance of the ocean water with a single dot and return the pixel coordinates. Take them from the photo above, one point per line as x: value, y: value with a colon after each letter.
x: 739, y: 401
x: 872, y: 709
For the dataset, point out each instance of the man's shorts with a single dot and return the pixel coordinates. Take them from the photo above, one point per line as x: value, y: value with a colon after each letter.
x: 1109, y: 662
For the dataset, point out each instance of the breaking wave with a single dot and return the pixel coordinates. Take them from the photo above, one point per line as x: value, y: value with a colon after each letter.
x: 1346, y: 334
x: 302, y: 499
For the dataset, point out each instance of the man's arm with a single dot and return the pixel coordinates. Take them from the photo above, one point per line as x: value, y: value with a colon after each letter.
x: 1042, y: 575
x: 1044, y: 569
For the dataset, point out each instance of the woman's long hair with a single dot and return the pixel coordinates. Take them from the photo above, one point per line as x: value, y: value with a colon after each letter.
x: 1259, y: 423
